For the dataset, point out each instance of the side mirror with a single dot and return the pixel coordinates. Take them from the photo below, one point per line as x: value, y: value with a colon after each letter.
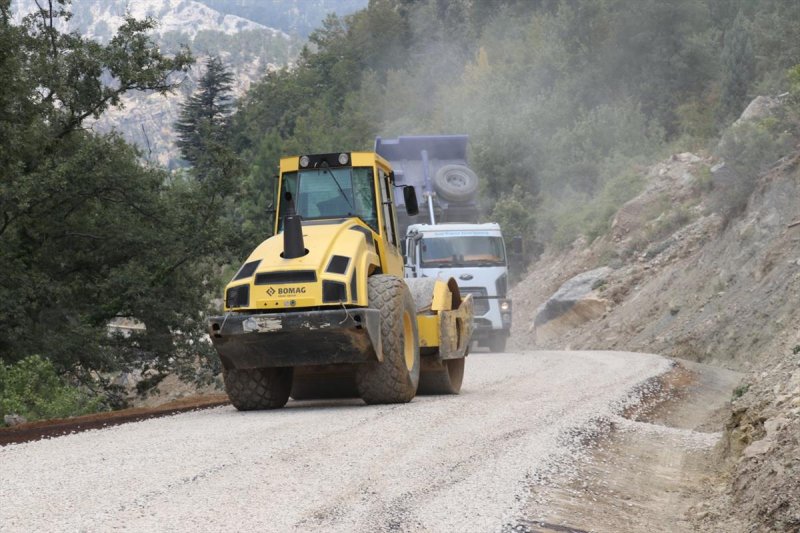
x: 516, y: 245
x: 410, y: 197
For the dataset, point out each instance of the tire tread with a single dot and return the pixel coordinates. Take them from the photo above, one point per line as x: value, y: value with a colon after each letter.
x: 258, y: 388
x: 390, y: 381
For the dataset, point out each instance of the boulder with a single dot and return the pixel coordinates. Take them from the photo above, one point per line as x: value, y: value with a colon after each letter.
x: 670, y: 182
x: 575, y: 302
x: 14, y: 420
x: 761, y: 107
x: 763, y: 446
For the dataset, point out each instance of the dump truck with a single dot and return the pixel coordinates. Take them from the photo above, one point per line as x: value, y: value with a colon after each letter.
x: 321, y: 308
x: 436, y: 166
x: 451, y: 243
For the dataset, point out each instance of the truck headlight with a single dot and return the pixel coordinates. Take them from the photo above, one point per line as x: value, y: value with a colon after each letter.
x: 505, y: 305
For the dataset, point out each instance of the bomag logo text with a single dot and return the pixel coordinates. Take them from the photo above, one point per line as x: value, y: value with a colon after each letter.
x: 291, y: 291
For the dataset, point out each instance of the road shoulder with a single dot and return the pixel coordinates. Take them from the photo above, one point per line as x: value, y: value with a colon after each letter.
x: 650, y: 469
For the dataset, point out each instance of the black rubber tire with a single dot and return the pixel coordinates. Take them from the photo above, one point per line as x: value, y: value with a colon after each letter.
x: 258, y: 388
x: 324, y: 386
x: 497, y: 343
x: 456, y: 183
x: 391, y: 381
x: 444, y: 380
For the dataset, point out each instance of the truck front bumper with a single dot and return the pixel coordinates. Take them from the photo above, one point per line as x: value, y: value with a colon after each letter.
x: 496, y: 320
x: 319, y: 337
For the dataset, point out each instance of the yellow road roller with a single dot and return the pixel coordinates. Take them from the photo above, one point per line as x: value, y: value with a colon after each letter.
x: 321, y: 309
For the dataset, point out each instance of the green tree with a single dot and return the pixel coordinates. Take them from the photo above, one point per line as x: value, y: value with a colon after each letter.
x: 738, y: 71
x: 87, y: 233
x: 204, y: 117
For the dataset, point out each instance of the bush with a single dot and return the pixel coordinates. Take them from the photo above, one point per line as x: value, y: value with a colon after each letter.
x: 740, y: 391
x: 591, y: 217
x: 598, y: 148
x: 515, y: 214
x: 696, y: 118
x: 32, y: 389
x: 668, y: 223
x: 748, y: 149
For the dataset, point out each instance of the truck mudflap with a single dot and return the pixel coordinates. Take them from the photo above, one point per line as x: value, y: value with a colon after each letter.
x: 299, y: 338
x: 455, y: 330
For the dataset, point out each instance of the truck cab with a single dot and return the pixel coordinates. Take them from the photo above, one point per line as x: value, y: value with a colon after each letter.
x: 475, y: 256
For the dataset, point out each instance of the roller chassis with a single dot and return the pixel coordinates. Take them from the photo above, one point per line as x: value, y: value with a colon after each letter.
x: 323, y: 337
x: 297, y: 338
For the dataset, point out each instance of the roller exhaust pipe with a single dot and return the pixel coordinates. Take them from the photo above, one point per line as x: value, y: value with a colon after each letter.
x: 293, y: 245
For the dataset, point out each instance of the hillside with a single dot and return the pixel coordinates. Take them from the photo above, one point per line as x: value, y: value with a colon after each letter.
x: 678, y: 275
x: 248, y: 48
x: 298, y: 17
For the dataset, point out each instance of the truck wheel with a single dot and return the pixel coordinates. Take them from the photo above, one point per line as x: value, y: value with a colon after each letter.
x: 258, y: 388
x: 444, y: 380
x: 394, y: 380
x: 456, y: 183
x: 497, y: 343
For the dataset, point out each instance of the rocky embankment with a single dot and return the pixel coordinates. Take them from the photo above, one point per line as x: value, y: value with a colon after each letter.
x: 681, y: 274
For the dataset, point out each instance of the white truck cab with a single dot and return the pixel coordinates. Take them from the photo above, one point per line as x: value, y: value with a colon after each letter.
x: 475, y: 255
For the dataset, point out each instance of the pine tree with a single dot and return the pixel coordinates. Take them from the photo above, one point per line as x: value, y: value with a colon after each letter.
x: 204, y: 117
x: 738, y: 70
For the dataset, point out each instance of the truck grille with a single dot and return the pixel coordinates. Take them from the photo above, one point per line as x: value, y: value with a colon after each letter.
x: 480, y: 304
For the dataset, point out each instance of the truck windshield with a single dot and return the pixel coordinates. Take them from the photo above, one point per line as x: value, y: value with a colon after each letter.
x: 465, y: 251
x: 331, y: 193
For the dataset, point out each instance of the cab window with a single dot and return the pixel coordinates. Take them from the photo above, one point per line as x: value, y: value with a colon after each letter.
x: 331, y: 193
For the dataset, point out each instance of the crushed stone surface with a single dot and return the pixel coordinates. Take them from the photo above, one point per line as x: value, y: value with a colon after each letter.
x: 446, y: 463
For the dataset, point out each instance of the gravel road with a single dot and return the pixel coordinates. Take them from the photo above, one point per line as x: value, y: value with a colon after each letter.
x: 447, y: 463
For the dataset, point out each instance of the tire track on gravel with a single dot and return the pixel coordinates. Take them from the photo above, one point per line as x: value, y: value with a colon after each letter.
x: 436, y: 464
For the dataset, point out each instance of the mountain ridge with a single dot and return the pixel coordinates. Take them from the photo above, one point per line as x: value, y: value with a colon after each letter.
x: 249, y: 49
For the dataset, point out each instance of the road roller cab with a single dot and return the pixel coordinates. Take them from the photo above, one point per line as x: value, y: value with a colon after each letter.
x: 321, y: 308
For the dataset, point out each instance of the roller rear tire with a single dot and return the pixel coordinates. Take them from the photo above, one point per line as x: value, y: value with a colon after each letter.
x: 258, y: 388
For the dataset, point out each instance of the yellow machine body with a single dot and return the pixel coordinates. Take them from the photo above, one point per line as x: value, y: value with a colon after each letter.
x: 288, y: 284
x: 314, y: 309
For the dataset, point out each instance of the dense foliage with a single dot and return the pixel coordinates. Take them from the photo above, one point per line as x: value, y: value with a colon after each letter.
x: 33, y: 390
x: 87, y: 232
x: 561, y: 99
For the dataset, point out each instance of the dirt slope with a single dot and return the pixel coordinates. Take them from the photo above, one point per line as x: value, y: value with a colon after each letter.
x: 706, y: 291
x: 688, y: 282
